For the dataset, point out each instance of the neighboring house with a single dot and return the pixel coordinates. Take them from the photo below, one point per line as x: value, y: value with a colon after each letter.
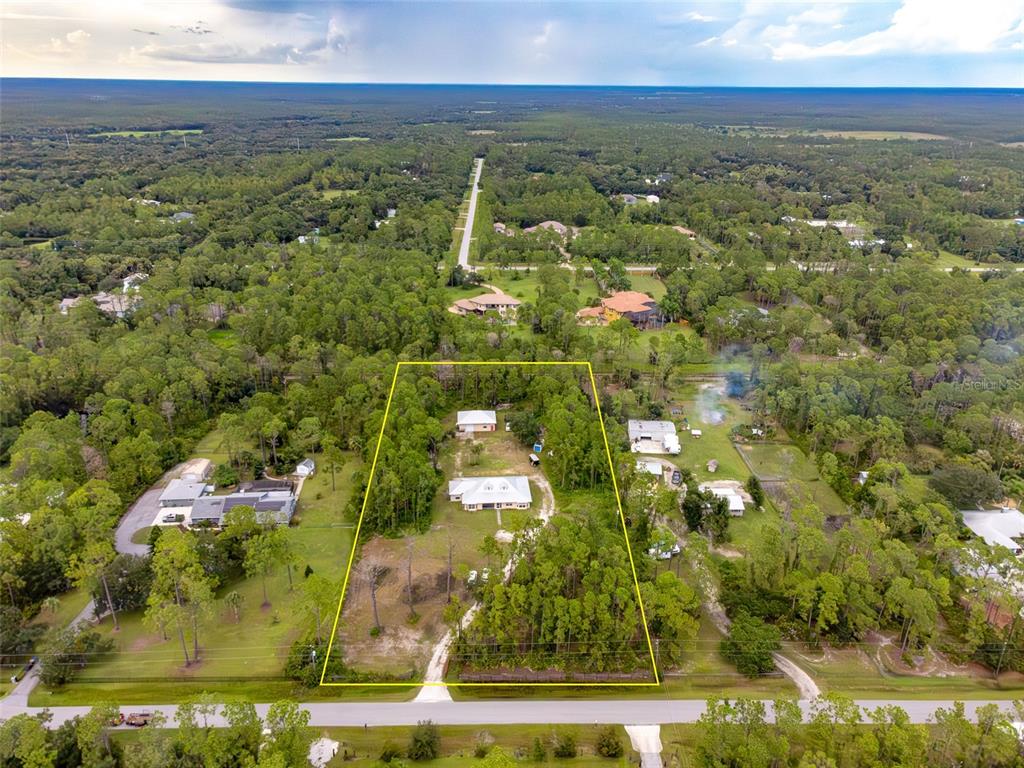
x: 554, y: 226
x: 310, y: 238
x: 653, y: 468
x: 196, y: 470
x: 392, y: 212
x: 305, y: 468
x: 639, y: 308
x: 506, y: 306
x: 502, y: 229
x: 628, y: 199
x: 477, y: 493
x: 653, y: 436
x: 68, y: 303
x: 1002, y: 528
x: 181, y: 493
x: 728, y: 490
x: 272, y: 507
x: 267, y: 484
x: 116, y: 304
x: 662, y: 178
x: 476, y: 421
x: 182, y: 216
x: 653, y: 199
x: 132, y: 282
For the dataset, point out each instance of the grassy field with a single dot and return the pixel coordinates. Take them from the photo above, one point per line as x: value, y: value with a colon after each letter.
x: 348, y: 138
x: 406, y: 645
x: 791, y: 477
x: 248, y: 653
x: 225, y: 338
x: 143, y: 134
x: 947, y: 260
x: 333, y: 194
x: 702, y: 405
x: 881, y: 135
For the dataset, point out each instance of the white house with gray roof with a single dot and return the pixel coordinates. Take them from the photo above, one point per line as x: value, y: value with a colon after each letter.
x: 511, y: 492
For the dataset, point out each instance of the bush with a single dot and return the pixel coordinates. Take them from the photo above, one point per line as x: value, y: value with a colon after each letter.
x: 608, y: 742
x: 425, y: 743
x: 390, y: 752
x: 565, y: 745
x: 750, y: 645
x: 68, y: 652
x: 223, y: 475
x: 539, y: 753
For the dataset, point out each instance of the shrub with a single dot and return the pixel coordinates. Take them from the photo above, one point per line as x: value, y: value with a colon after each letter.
x: 608, y: 742
x: 565, y: 745
x: 390, y: 752
x: 224, y: 474
x: 539, y: 753
x: 425, y: 743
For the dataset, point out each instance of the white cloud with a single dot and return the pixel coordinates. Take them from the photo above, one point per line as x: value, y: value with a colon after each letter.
x: 695, y: 16
x: 541, y: 40
x: 924, y: 26
x: 69, y: 41
x: 707, y: 41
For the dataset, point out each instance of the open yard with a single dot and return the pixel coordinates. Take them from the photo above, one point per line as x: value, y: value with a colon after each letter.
x: 705, y: 407
x: 790, y: 478
x: 249, y: 651
x: 407, y: 636
x: 143, y: 134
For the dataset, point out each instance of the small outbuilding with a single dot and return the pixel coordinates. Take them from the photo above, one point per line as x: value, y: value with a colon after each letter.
x: 305, y: 468
x: 476, y: 421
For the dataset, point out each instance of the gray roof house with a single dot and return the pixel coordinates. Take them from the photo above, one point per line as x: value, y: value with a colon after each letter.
x: 512, y: 492
x: 272, y: 507
x: 181, y: 493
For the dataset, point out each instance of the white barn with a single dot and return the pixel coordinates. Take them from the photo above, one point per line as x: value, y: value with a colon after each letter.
x: 653, y: 437
x: 476, y: 421
x: 512, y: 492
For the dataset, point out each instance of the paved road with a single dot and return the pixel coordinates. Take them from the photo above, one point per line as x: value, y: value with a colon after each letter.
x: 629, y: 711
x: 467, y: 233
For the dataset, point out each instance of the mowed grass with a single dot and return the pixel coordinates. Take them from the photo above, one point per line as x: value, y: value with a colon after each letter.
x: 696, y: 402
x: 333, y: 194
x: 225, y: 338
x: 881, y: 135
x: 784, y: 462
x: 249, y: 652
x: 144, y: 134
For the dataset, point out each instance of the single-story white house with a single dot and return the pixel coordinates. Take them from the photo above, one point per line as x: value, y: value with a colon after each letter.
x: 725, y: 490
x: 181, y: 493
x: 645, y: 466
x: 652, y: 436
x: 997, y: 527
x: 305, y: 468
x: 196, y: 470
x: 476, y: 421
x: 511, y: 492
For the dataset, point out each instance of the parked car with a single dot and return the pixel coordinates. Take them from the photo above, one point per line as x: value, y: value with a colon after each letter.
x: 117, y: 719
x: 139, y: 719
x: 485, y: 575
x: 677, y: 477
x: 471, y: 578
x: 173, y: 517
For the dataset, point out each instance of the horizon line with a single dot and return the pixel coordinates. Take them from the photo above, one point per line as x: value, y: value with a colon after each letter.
x: 397, y: 83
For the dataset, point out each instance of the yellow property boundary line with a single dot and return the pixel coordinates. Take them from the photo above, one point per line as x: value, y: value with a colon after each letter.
x: 362, y: 512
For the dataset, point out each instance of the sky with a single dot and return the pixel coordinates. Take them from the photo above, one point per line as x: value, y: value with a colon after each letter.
x: 927, y: 43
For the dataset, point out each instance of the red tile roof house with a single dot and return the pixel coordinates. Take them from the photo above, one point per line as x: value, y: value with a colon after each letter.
x: 639, y: 308
x: 503, y: 304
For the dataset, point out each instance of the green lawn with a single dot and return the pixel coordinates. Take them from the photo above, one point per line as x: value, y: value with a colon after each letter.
x: 143, y: 134
x: 785, y: 462
x: 332, y: 194
x: 248, y: 653
x: 225, y: 338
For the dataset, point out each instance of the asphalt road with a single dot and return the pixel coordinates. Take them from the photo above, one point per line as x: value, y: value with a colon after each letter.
x: 467, y: 233
x: 629, y: 711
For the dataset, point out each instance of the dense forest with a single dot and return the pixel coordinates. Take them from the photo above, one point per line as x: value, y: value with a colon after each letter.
x: 291, y: 260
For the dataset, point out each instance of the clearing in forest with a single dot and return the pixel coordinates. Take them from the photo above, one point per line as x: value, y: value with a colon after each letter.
x: 426, y: 563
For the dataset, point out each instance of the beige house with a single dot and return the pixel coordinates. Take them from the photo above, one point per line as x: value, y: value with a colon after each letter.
x: 506, y: 306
